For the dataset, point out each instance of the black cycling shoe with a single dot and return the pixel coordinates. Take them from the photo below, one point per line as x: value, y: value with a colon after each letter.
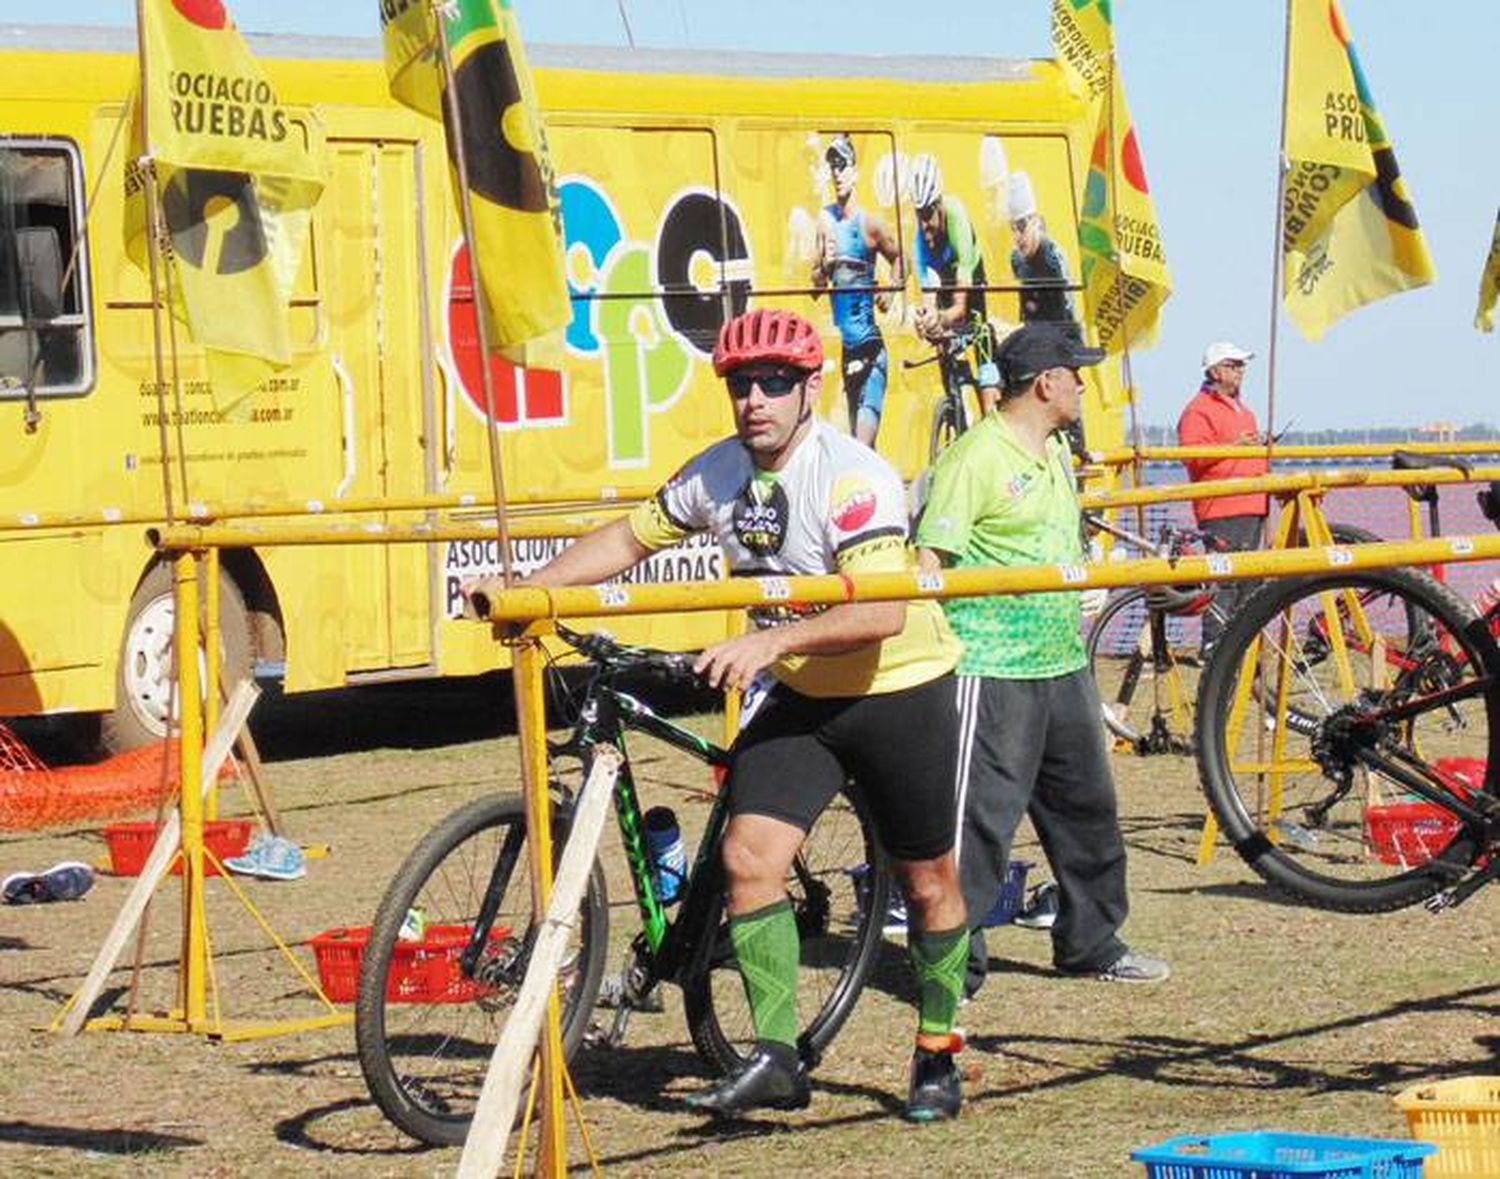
x: 936, y: 1090
x: 772, y: 1078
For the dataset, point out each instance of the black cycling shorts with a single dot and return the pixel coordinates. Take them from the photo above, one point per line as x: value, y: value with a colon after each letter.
x: 899, y: 748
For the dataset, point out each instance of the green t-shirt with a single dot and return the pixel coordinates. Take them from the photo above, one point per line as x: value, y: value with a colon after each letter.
x: 993, y: 502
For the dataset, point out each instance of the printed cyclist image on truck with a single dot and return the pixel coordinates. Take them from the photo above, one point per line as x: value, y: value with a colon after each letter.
x: 676, y: 172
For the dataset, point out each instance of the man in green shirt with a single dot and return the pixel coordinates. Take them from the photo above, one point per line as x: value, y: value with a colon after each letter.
x: 1030, y: 734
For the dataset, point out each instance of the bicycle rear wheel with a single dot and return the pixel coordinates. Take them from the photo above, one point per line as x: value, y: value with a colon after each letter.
x: 839, y: 887
x: 1316, y: 796
x: 1148, y: 686
x: 425, y: 1025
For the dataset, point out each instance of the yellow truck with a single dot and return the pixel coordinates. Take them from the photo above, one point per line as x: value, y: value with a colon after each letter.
x: 692, y: 186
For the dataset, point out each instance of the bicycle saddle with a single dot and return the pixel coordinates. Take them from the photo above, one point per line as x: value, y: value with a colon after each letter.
x: 1425, y: 493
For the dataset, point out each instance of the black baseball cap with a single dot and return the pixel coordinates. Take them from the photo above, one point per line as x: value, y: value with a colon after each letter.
x: 1033, y: 348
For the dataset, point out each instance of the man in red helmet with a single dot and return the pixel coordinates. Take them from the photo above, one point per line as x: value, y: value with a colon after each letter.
x: 861, y: 690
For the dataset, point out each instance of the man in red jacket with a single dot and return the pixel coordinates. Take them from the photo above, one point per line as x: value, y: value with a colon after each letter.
x: 1218, y: 417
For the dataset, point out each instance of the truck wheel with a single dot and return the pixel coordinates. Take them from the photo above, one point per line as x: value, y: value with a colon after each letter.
x: 144, y: 681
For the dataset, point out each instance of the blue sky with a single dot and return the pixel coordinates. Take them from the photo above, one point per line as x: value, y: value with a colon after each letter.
x: 1204, y: 79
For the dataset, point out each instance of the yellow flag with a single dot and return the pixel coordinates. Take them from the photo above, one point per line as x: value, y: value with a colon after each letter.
x: 517, y: 217
x: 1125, y: 275
x: 238, y: 175
x: 1489, y: 284
x: 1350, y: 234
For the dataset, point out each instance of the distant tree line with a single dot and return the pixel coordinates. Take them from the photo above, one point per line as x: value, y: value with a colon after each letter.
x: 1157, y: 435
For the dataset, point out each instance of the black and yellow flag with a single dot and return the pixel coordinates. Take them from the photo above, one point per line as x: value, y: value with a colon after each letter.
x: 517, y: 218
x: 1489, y: 284
x: 238, y: 176
x: 1350, y: 233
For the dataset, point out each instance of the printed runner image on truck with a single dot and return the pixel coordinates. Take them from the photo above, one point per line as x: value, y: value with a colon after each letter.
x: 690, y: 187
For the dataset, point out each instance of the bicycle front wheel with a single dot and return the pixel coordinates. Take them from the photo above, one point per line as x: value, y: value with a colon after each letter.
x: 839, y: 887
x: 1309, y: 773
x: 1148, y: 686
x: 426, y: 1021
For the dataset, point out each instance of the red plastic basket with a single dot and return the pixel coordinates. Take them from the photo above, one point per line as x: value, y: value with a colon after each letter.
x: 1409, y: 833
x: 130, y: 844
x: 1413, y: 831
x: 425, y: 971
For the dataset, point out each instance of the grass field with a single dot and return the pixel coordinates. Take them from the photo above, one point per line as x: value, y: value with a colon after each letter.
x: 1276, y: 1016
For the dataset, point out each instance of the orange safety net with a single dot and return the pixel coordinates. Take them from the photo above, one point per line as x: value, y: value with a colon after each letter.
x: 32, y: 795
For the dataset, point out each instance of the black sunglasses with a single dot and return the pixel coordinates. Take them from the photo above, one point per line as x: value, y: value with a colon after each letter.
x: 772, y: 384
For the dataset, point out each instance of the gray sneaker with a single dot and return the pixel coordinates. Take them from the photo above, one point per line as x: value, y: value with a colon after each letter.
x: 1135, y: 967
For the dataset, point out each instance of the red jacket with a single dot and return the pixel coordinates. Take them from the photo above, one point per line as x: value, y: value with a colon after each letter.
x: 1212, y: 419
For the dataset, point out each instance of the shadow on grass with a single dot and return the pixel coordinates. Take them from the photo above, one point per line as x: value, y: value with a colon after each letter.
x: 1247, y: 1063
x: 428, y: 714
x: 310, y: 1130
x: 94, y: 1140
x: 1237, y: 890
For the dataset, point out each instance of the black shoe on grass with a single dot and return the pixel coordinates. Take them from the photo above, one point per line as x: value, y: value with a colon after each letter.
x: 936, y: 1090
x: 772, y: 1078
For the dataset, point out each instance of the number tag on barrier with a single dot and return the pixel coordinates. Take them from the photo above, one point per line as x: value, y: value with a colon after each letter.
x: 613, y: 596
x: 1220, y: 564
x: 776, y: 589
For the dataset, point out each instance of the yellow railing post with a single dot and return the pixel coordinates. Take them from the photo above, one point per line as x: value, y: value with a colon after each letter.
x: 531, y: 710
x: 211, y: 669
x: 193, y: 972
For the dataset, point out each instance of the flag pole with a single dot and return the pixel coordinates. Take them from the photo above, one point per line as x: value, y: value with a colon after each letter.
x: 1278, y: 251
x: 146, y: 173
x: 526, y: 663
x: 1111, y: 189
x: 481, y: 303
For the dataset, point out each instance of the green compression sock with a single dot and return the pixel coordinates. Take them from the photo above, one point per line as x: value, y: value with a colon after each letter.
x: 767, y: 949
x: 939, y: 959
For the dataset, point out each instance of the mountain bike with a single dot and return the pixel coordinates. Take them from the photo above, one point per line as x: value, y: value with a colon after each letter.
x: 951, y: 416
x: 1349, y: 740
x: 466, y: 885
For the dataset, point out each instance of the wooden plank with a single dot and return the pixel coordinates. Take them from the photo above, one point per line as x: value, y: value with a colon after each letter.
x: 167, y: 842
x: 484, y: 1149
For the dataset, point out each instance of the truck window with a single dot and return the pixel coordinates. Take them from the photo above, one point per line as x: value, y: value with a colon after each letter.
x: 46, y: 333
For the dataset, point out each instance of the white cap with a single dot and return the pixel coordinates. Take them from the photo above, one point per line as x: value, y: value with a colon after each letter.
x: 1221, y: 350
x: 1022, y: 200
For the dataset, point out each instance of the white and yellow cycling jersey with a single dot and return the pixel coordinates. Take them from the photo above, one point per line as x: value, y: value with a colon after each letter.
x: 836, y: 507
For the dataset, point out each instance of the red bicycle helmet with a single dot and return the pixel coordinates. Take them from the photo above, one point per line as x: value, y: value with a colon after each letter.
x: 782, y: 336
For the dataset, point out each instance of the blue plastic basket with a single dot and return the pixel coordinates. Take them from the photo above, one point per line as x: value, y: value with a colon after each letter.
x: 1272, y: 1154
x: 1012, y: 894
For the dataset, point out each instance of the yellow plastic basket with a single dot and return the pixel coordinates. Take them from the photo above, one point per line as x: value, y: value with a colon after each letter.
x: 1462, y: 1117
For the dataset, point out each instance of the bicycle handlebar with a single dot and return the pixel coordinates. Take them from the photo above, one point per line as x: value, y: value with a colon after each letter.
x: 610, y: 654
x: 954, y: 343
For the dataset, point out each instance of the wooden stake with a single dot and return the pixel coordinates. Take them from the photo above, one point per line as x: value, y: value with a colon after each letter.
x: 484, y: 1149
x: 167, y: 843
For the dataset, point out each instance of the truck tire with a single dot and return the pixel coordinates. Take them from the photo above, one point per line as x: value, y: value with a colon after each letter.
x: 144, y: 679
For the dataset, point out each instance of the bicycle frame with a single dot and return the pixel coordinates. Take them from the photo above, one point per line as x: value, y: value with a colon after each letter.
x: 674, y: 947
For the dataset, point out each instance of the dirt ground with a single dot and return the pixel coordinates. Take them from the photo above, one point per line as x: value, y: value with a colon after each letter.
x: 1277, y: 1016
